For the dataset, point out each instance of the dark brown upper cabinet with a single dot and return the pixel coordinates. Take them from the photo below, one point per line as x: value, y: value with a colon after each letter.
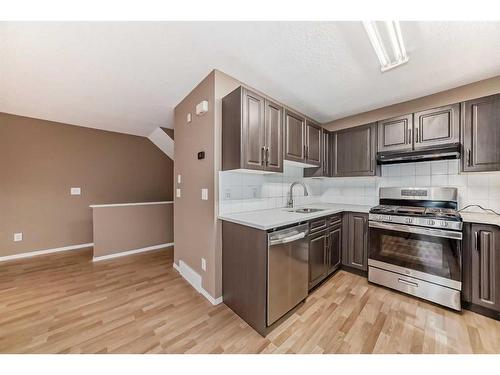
x: 355, y: 253
x: 485, y: 266
x: 437, y: 126
x: 324, y: 169
x: 395, y: 134
x: 481, y: 134
x: 295, y: 137
x: 314, y: 147
x: 252, y: 129
x: 430, y: 128
x: 353, y: 151
x: 273, y: 140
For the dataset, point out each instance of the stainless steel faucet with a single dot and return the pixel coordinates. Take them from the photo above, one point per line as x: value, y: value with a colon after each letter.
x: 289, y: 202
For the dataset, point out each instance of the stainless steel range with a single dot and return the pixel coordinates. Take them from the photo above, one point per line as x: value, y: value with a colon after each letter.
x: 416, y: 243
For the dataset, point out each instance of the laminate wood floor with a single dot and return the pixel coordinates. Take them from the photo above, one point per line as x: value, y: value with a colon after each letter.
x: 64, y: 303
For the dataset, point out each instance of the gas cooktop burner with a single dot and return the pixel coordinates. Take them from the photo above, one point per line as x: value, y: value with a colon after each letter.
x: 429, y: 212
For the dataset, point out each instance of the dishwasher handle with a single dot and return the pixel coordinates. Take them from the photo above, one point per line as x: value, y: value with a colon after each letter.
x: 288, y: 239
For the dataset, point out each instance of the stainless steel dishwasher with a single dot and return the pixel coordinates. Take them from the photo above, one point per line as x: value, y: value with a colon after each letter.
x: 287, y: 270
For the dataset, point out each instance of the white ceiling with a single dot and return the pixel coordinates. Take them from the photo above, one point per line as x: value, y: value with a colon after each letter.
x: 128, y: 77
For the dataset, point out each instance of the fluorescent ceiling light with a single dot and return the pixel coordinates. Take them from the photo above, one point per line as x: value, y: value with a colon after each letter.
x: 392, y: 34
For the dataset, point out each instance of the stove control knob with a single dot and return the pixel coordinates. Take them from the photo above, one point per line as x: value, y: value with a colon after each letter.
x: 431, y: 222
x: 388, y: 218
x: 408, y: 220
x: 444, y: 224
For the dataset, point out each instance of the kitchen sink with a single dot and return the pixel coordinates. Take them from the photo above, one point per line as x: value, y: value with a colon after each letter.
x: 307, y: 210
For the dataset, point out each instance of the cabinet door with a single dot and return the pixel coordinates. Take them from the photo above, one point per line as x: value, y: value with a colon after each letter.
x: 481, y: 134
x: 356, y: 254
x: 395, y: 134
x: 317, y: 258
x: 334, y: 247
x: 355, y: 151
x: 295, y: 134
x: 437, y: 126
x: 252, y: 131
x: 332, y: 155
x: 485, y: 267
x: 324, y: 169
x: 313, y: 143
x: 325, y: 163
x: 273, y: 137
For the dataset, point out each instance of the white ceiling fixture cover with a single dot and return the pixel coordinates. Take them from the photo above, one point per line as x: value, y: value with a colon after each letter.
x: 129, y: 76
x: 388, y: 33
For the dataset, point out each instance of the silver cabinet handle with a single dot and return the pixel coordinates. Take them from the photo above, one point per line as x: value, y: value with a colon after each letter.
x: 409, y: 137
x: 267, y: 156
x: 417, y: 135
x: 476, y: 240
x: 469, y: 161
x: 411, y: 283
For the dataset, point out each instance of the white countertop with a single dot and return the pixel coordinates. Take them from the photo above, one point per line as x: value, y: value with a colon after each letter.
x: 480, y: 218
x: 278, y: 217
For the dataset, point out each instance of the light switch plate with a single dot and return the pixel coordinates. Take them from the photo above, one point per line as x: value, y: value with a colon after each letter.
x: 203, y: 264
x: 18, y: 237
x: 178, y: 178
x: 204, y: 194
x: 76, y: 191
x: 178, y: 193
x: 188, y: 118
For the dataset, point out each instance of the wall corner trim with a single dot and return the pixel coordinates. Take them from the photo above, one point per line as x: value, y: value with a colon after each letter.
x: 131, y: 252
x: 44, y: 252
x: 193, y: 278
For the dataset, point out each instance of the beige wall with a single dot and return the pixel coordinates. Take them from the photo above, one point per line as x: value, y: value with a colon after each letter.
x: 194, y: 218
x: 41, y: 160
x: 122, y: 228
x: 474, y: 90
x: 197, y: 231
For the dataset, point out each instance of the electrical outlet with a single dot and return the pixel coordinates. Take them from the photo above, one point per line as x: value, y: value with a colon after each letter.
x: 18, y: 237
x: 178, y: 178
x: 203, y: 264
x: 188, y: 117
x: 178, y: 193
x: 76, y: 191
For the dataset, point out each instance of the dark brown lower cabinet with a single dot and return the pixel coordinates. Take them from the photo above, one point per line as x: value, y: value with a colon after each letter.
x: 481, y: 269
x: 325, y: 246
x: 317, y: 257
x: 355, y: 249
x: 334, y: 247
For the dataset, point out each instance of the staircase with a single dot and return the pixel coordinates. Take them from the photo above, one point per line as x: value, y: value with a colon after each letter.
x: 163, y: 138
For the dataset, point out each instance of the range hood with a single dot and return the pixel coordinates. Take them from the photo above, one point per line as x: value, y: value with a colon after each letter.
x: 434, y: 153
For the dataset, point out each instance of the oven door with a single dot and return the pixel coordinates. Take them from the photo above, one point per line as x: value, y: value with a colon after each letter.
x: 429, y: 254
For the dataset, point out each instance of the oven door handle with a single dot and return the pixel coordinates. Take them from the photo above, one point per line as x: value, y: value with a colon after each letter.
x: 417, y: 230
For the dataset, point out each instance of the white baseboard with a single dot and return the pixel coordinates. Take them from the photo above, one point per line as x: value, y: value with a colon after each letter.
x: 193, y: 278
x: 44, y: 252
x: 130, y: 252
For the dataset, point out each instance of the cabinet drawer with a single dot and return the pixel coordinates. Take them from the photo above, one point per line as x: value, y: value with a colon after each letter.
x: 419, y: 288
x: 317, y: 225
x: 334, y: 220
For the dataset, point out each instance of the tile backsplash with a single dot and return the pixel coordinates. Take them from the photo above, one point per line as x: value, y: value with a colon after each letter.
x: 239, y: 191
